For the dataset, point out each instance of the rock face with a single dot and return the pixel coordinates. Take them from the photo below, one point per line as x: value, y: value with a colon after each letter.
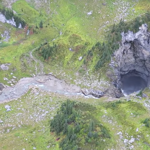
x: 133, y: 58
x: 4, y: 20
x: 1, y: 88
x: 95, y: 93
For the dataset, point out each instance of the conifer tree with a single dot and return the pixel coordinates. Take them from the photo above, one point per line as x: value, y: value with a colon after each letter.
x: 41, y: 24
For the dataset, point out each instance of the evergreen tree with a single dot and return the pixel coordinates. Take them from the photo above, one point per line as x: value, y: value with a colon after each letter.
x: 41, y: 24
x: 91, y: 126
x: 70, y: 132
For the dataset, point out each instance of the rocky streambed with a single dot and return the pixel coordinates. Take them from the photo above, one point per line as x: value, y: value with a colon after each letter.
x: 47, y: 83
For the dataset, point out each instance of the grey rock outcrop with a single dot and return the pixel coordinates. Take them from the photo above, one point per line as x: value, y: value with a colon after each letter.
x: 133, y: 55
x: 4, y: 20
x: 5, y: 66
x: 8, y: 108
x: 95, y: 93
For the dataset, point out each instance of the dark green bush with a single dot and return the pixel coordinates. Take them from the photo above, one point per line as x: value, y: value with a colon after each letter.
x: 69, y: 123
x: 47, y: 51
x: 147, y: 122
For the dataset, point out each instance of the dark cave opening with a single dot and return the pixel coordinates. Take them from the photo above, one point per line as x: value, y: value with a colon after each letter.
x: 133, y: 82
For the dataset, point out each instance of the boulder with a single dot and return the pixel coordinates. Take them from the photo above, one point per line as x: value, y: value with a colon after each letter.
x: 8, y: 108
x: 5, y: 66
x: 95, y: 93
x: 113, y: 91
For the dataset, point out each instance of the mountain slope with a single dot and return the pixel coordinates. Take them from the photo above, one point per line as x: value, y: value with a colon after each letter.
x: 68, y: 39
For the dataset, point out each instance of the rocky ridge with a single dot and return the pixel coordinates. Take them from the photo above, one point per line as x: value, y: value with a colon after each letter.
x: 133, y: 56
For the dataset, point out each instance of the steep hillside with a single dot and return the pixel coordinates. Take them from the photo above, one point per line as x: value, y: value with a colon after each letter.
x: 73, y: 41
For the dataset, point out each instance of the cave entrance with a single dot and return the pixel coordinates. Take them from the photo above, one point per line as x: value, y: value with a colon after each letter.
x: 133, y: 82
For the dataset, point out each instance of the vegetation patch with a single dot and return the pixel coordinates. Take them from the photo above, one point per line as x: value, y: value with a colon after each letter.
x: 30, y: 15
x: 77, y: 128
x: 47, y: 51
x: 147, y: 122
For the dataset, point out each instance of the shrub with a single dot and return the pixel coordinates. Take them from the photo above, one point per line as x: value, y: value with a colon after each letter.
x: 147, y: 122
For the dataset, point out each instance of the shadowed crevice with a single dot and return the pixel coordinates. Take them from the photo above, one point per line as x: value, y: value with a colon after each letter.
x: 133, y: 82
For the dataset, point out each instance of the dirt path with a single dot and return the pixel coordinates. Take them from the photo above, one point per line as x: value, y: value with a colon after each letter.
x: 37, y: 61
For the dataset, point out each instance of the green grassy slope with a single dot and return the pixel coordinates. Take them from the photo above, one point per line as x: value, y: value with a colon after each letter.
x: 27, y: 124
